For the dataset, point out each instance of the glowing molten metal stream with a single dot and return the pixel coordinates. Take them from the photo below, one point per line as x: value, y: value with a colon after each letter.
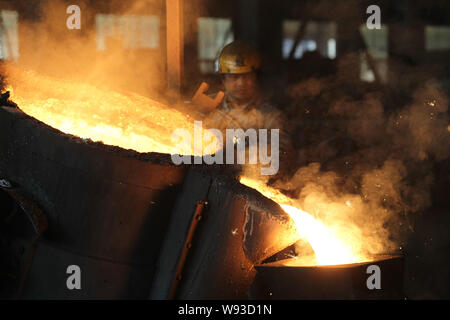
x: 329, y: 249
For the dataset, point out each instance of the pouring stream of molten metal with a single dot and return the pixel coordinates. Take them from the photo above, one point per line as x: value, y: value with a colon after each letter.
x: 329, y: 249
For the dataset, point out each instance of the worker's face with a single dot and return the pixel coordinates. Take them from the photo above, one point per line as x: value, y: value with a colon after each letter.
x: 241, y: 87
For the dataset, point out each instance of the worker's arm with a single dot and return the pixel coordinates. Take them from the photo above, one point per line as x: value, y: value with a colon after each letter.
x: 204, y: 103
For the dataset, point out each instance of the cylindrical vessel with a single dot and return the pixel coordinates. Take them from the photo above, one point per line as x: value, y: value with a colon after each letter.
x: 122, y: 217
x: 381, y: 278
x: 107, y: 208
x: 239, y: 229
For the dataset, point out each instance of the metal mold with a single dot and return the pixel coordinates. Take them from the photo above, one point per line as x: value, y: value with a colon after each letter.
x: 275, y: 281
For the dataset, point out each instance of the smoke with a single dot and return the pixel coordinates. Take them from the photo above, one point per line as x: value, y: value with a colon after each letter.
x: 366, y: 164
x: 100, y: 52
x: 95, y: 82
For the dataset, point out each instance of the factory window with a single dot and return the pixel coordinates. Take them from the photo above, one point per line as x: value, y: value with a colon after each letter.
x: 437, y: 37
x: 213, y: 35
x: 376, y: 41
x: 314, y: 36
x: 131, y: 31
x: 331, y: 48
x: 9, y: 37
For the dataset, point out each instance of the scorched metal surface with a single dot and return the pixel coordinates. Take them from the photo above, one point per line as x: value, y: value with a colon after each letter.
x: 107, y: 208
x: 239, y: 229
x: 115, y: 213
x: 276, y: 280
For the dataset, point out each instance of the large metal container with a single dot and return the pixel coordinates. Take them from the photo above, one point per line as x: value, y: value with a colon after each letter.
x: 107, y: 209
x: 240, y: 228
x: 276, y: 280
x: 115, y: 213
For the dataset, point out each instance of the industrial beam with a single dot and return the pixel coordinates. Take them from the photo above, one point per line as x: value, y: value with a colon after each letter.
x: 175, y: 45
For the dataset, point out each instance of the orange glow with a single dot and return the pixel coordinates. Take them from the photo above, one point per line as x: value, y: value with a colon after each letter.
x: 135, y: 122
x: 331, y: 246
x: 328, y: 249
x: 127, y: 120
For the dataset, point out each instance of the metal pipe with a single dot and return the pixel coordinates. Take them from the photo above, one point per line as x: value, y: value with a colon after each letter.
x: 187, y: 245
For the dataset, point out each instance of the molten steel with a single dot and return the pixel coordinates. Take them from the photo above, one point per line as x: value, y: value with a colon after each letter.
x: 130, y: 121
x: 331, y: 246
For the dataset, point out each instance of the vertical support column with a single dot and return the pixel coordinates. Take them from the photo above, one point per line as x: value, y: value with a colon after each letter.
x: 175, y: 46
x: 406, y: 47
x: 270, y: 28
x: 249, y: 16
x: 270, y: 33
x: 348, y: 50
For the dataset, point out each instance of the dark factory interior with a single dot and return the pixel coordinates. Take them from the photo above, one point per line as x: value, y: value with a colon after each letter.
x: 355, y: 96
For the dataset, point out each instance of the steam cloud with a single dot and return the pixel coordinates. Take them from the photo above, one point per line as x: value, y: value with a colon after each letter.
x: 48, y: 47
x: 367, y: 167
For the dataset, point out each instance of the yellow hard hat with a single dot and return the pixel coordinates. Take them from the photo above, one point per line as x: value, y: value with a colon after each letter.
x: 238, y: 57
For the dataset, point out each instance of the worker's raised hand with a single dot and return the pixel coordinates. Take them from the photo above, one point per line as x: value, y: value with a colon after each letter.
x: 205, y: 103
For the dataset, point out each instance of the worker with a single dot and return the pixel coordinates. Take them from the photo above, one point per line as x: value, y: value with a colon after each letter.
x: 244, y: 105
